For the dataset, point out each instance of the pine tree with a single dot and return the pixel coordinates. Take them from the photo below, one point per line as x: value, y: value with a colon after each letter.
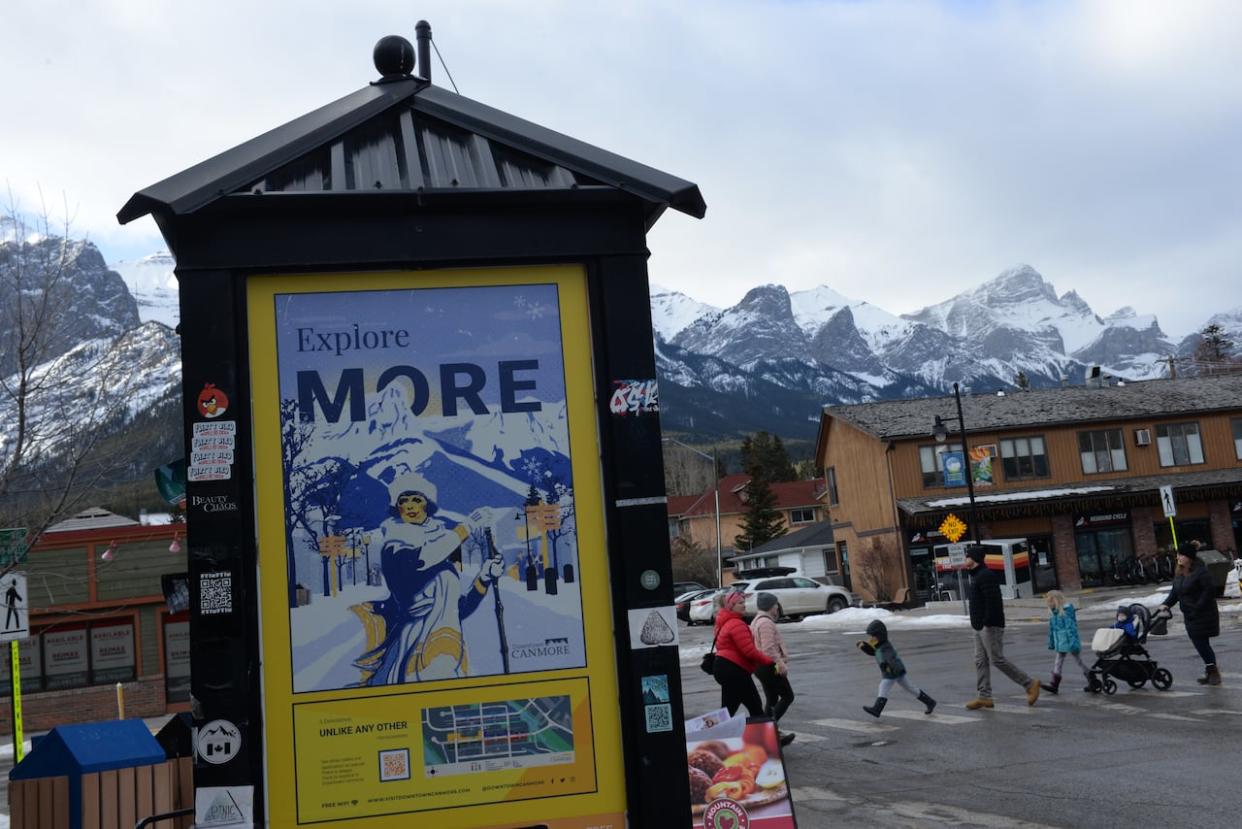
x: 763, y: 522
x: 1213, y: 346
x: 764, y: 456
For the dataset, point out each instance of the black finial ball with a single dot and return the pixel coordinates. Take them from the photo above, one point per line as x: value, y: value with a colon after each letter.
x: 394, y: 56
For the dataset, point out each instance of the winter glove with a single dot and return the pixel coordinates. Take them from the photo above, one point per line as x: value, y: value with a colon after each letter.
x: 492, y: 570
x: 865, y: 647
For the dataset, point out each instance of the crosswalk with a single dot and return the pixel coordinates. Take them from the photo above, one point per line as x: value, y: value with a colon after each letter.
x: 1137, y: 703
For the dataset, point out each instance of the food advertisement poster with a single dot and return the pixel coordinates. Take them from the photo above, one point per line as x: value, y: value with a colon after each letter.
x: 737, y: 775
x: 432, y: 546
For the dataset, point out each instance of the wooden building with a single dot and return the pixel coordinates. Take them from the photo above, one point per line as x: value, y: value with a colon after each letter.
x: 1076, y: 471
x: 99, y: 615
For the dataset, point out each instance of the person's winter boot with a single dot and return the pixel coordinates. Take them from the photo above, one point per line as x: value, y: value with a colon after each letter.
x: 927, y: 701
x: 1032, y: 692
x: 1211, y: 676
x: 874, y: 710
x: 787, y: 738
x: 1051, y: 687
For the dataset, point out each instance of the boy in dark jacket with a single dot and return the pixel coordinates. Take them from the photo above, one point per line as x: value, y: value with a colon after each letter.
x: 891, y: 669
x: 987, y: 617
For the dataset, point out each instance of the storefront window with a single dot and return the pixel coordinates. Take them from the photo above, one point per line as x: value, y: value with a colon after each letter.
x: 1188, y: 530
x: 72, y: 657
x: 1179, y: 444
x: 1102, y: 451
x: 1104, y: 544
x: 177, y: 658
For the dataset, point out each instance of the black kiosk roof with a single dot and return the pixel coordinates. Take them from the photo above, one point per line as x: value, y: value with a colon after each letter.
x: 406, y: 136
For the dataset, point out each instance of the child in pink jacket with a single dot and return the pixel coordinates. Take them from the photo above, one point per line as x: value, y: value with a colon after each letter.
x: 768, y: 639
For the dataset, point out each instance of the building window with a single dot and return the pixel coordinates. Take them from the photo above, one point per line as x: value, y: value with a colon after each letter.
x: 931, y: 458
x: 1179, y: 444
x: 1024, y: 458
x: 834, y: 499
x: 1102, y: 451
x: 1237, y: 438
x: 801, y: 516
x: 75, y: 656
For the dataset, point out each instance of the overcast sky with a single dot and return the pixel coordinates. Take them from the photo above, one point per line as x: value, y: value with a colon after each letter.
x: 899, y: 152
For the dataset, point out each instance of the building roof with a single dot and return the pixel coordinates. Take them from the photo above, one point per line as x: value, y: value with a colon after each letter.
x: 897, y: 419
x: 816, y: 535
x: 789, y: 495
x: 93, y: 518
x: 1047, y: 499
x: 408, y: 136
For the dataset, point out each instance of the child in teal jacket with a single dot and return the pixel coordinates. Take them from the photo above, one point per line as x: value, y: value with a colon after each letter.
x: 1062, y: 638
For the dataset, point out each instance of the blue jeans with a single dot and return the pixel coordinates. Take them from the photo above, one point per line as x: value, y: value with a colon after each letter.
x: 1204, y: 646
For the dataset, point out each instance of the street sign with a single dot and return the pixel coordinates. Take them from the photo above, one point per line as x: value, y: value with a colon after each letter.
x: 12, y: 546
x: 15, y: 609
x: 952, y: 528
x: 1166, y: 501
x: 957, y: 555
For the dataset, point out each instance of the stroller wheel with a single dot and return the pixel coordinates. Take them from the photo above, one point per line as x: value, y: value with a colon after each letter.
x: 1162, y: 679
x: 1110, y: 687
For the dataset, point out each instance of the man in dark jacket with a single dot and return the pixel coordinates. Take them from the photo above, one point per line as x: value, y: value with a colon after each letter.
x: 987, y: 617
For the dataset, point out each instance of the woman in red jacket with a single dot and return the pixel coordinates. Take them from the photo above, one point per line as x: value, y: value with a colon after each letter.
x: 737, y: 658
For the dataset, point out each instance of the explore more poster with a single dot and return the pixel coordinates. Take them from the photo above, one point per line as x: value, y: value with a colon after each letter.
x: 430, y: 525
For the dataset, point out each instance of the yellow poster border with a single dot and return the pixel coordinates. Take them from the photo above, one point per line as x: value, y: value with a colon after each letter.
x: 278, y: 697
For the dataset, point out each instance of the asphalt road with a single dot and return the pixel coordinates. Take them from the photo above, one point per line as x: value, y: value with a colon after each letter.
x: 1139, y: 758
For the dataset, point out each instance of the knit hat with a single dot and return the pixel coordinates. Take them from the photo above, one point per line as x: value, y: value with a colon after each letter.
x: 731, y: 598
x: 765, y: 601
x: 1189, y: 549
x: 976, y: 554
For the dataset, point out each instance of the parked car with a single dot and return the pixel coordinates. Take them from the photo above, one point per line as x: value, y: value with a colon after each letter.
x: 703, y: 609
x: 682, y: 603
x: 680, y: 588
x: 799, y: 596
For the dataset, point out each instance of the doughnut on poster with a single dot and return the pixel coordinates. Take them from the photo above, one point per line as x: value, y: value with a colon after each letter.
x: 430, y: 518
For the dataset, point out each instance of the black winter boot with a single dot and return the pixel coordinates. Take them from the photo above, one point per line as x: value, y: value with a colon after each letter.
x: 1051, y: 687
x: 1211, y: 676
x: 874, y: 710
x: 927, y: 701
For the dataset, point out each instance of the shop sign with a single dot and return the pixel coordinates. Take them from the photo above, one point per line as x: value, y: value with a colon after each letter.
x: 1103, y: 519
x: 65, y: 658
x: 112, y: 652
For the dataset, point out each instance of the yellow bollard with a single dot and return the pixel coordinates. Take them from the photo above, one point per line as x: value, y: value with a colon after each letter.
x: 120, y: 701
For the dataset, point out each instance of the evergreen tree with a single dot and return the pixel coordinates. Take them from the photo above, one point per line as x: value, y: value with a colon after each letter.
x: 764, y: 456
x: 1213, y: 346
x: 763, y: 522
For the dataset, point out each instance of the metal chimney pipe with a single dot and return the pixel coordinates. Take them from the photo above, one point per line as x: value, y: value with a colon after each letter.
x: 422, y: 37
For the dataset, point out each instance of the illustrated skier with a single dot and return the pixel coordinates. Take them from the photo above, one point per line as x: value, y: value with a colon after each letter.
x: 11, y: 597
x: 415, y: 634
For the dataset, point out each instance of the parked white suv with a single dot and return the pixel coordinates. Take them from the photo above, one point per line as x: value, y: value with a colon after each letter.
x: 799, y: 596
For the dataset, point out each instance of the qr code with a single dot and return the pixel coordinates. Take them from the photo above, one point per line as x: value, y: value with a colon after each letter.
x: 659, y: 718
x: 394, y: 764
x: 215, y: 593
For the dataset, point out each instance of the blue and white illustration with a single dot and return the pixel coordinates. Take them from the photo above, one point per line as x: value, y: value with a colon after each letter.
x: 429, y: 496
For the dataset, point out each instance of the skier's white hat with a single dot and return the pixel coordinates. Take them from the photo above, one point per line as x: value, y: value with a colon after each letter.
x: 410, y: 483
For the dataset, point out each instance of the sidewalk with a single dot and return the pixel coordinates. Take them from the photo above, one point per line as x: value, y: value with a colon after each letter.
x: 1092, y: 597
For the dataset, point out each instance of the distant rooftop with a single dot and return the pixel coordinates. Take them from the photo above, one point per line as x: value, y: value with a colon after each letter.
x: 894, y: 419
x: 93, y: 518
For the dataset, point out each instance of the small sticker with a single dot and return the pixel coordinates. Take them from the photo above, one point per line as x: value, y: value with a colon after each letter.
x: 634, y: 397
x: 215, y: 593
x: 655, y: 689
x: 224, y: 806
x: 652, y: 627
x: 659, y: 718
x: 212, y: 402
x: 218, y: 742
x: 649, y: 579
x: 210, y: 472
x: 218, y: 429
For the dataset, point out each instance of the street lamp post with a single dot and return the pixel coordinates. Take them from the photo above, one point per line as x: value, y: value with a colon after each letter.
x: 940, y: 432
x: 716, y: 492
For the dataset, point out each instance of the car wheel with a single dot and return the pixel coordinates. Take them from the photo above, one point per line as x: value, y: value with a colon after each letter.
x: 836, y: 603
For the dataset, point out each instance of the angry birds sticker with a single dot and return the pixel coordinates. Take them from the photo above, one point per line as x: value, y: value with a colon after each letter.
x: 212, y: 402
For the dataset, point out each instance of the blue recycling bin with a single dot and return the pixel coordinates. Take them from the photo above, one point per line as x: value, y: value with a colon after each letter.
x: 74, y: 750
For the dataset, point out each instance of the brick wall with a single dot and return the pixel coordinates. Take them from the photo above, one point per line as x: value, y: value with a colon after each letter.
x: 1143, y: 523
x: 1221, y: 521
x: 1066, y: 552
x: 46, y: 710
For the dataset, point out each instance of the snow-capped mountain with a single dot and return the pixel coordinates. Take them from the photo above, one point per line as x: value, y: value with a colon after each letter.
x: 154, y: 287
x: 672, y: 311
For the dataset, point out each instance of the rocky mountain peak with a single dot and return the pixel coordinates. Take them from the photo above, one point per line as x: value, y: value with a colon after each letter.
x: 1021, y: 283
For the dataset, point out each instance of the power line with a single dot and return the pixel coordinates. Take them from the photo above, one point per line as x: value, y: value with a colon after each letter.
x: 444, y: 65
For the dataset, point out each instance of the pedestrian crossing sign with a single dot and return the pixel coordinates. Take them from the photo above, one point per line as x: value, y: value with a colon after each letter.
x: 952, y: 528
x: 16, y: 610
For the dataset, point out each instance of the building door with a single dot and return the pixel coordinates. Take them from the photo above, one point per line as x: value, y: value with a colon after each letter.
x: 1043, y: 564
x: 923, y: 573
x: 843, y: 558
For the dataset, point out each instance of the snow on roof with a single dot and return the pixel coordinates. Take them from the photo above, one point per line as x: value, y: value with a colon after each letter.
x: 1027, y: 495
x: 92, y: 518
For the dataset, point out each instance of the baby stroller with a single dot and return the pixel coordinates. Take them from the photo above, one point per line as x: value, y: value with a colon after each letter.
x: 1120, y: 653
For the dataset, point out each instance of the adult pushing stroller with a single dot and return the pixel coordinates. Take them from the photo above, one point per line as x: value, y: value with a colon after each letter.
x: 1120, y: 654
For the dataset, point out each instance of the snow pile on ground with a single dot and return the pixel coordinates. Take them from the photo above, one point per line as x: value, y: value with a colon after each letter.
x: 856, y: 618
x: 689, y: 653
x: 1108, y: 606
x: 1231, y: 608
